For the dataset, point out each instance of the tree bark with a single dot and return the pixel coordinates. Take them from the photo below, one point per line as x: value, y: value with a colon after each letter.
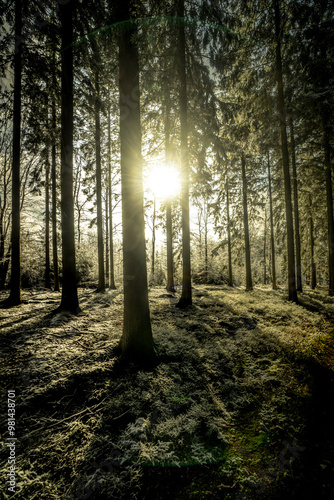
x: 15, y: 282
x: 169, y: 229
x: 169, y: 223
x: 229, y: 248
x: 153, y: 241
x: 296, y: 208
x: 107, y: 234
x: 47, y: 280
x: 249, y: 281
x: 206, y: 257
x: 69, y: 299
x: 137, y: 341
x: 292, y: 289
x: 265, y: 248
x: 313, y: 266
x: 111, y: 229
x: 329, y: 196
x: 186, y: 296
x: 100, y: 250
x: 54, y: 199
x: 272, y: 236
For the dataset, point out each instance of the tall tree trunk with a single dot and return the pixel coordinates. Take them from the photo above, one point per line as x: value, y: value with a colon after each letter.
x: 249, y: 282
x: 265, y: 248
x: 329, y: 193
x: 169, y: 229
x: 107, y: 233
x: 169, y: 223
x: 206, y: 260
x: 111, y: 229
x: 47, y: 280
x: 272, y: 236
x: 137, y: 340
x: 200, y: 243
x: 292, y: 289
x: 229, y: 248
x: 15, y: 290
x: 153, y: 240
x: 54, y: 200
x: 69, y: 299
x: 296, y: 208
x: 186, y: 297
x: 313, y: 267
x: 100, y: 250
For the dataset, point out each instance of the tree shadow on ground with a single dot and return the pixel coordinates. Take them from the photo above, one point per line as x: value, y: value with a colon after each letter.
x: 70, y: 425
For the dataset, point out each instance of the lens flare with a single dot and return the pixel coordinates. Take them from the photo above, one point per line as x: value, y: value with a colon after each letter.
x: 164, y: 182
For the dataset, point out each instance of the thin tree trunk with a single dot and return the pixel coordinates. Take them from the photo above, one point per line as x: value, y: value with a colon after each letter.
x: 296, y: 208
x: 200, y: 243
x: 169, y: 223
x: 292, y: 289
x: 249, y: 282
x: 169, y: 229
x: 329, y: 194
x: 15, y: 291
x: 137, y: 340
x: 111, y: 229
x: 79, y: 225
x: 186, y: 297
x: 265, y: 248
x: 100, y: 250
x: 153, y: 240
x: 54, y: 200
x: 47, y: 280
x: 69, y: 299
x: 107, y: 233
x: 229, y: 248
x: 272, y: 236
x: 313, y: 267
x: 206, y: 260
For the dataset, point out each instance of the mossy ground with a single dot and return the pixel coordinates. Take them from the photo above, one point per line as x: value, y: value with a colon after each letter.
x: 239, y: 407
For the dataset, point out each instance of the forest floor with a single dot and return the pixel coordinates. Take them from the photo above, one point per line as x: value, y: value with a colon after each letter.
x: 241, y: 405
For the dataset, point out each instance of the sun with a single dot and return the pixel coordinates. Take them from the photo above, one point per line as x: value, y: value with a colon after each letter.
x: 163, y: 181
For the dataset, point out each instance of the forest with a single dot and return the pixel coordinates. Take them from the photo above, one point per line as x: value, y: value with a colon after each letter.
x: 166, y: 249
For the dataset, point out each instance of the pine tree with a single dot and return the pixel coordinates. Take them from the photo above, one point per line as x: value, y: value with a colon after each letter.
x: 137, y: 340
x: 186, y: 297
x: 292, y: 289
x: 229, y: 246
x: 100, y: 245
x: 69, y: 299
x: 15, y: 285
x: 249, y: 281
x: 272, y: 236
x: 54, y: 196
x: 295, y: 206
x: 110, y: 204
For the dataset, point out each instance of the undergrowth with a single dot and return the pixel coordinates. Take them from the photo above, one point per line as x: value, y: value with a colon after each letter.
x: 222, y: 415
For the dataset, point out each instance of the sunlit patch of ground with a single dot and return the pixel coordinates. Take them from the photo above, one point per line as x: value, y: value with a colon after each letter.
x: 237, y: 407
